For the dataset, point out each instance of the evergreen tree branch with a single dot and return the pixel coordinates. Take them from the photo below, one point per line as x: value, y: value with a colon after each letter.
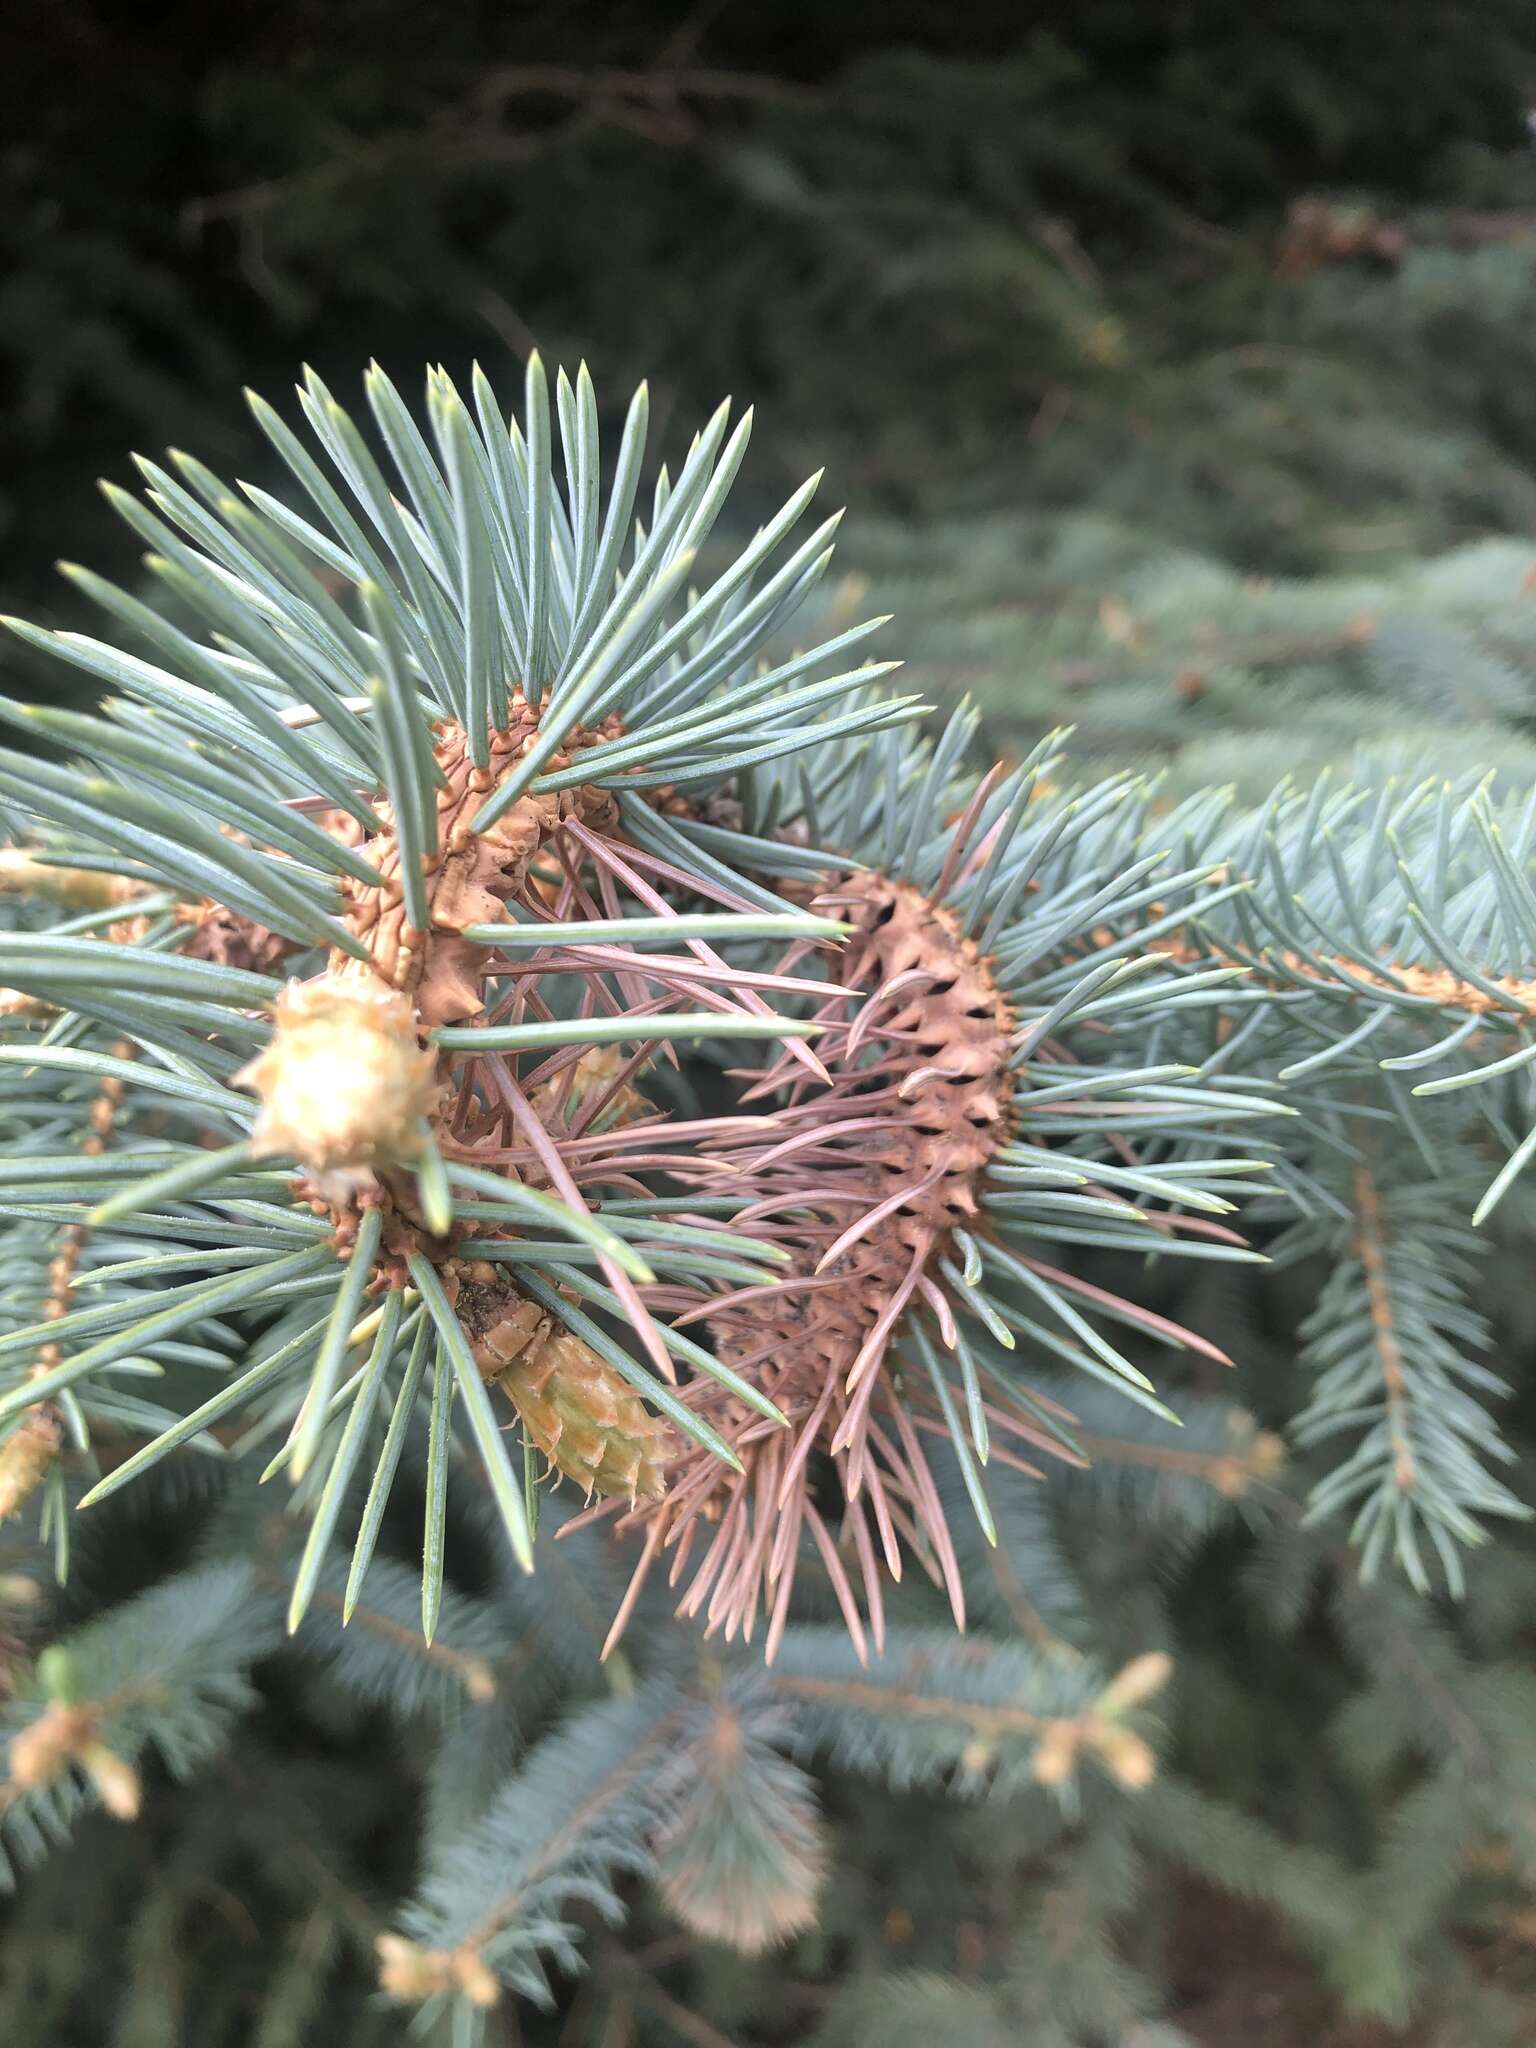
x: 1370, y: 1248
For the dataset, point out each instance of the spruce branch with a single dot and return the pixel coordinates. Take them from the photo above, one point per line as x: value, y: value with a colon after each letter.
x: 740, y: 1850
x: 490, y: 1907
x: 467, y: 751
x: 164, y: 1674
x: 405, y: 790
x: 996, y: 1712
x: 1394, y: 1341
x: 981, y: 1105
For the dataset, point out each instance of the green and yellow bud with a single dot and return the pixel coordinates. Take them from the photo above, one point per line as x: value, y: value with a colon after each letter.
x: 587, y: 1421
x: 345, y: 1082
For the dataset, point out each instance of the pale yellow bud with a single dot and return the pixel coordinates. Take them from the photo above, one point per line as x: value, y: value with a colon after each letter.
x: 1138, y: 1682
x: 1126, y: 1757
x: 22, y: 873
x: 1055, y: 1757
x: 118, y: 1785
x: 408, y: 1971
x: 345, y: 1081
x: 479, y: 1679
x: 1257, y: 1456
x: 26, y: 1457
x: 475, y: 1979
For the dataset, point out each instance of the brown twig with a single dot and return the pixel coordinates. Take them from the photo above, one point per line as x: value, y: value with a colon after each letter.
x: 469, y: 131
x: 1231, y: 1474
x: 1370, y: 1248
x: 917, y: 1706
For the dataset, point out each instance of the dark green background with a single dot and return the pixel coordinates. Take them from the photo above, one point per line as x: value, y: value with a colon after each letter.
x: 996, y: 254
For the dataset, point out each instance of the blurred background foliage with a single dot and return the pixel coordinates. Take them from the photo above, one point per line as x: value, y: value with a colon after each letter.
x: 1097, y: 310
x: 1257, y: 279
